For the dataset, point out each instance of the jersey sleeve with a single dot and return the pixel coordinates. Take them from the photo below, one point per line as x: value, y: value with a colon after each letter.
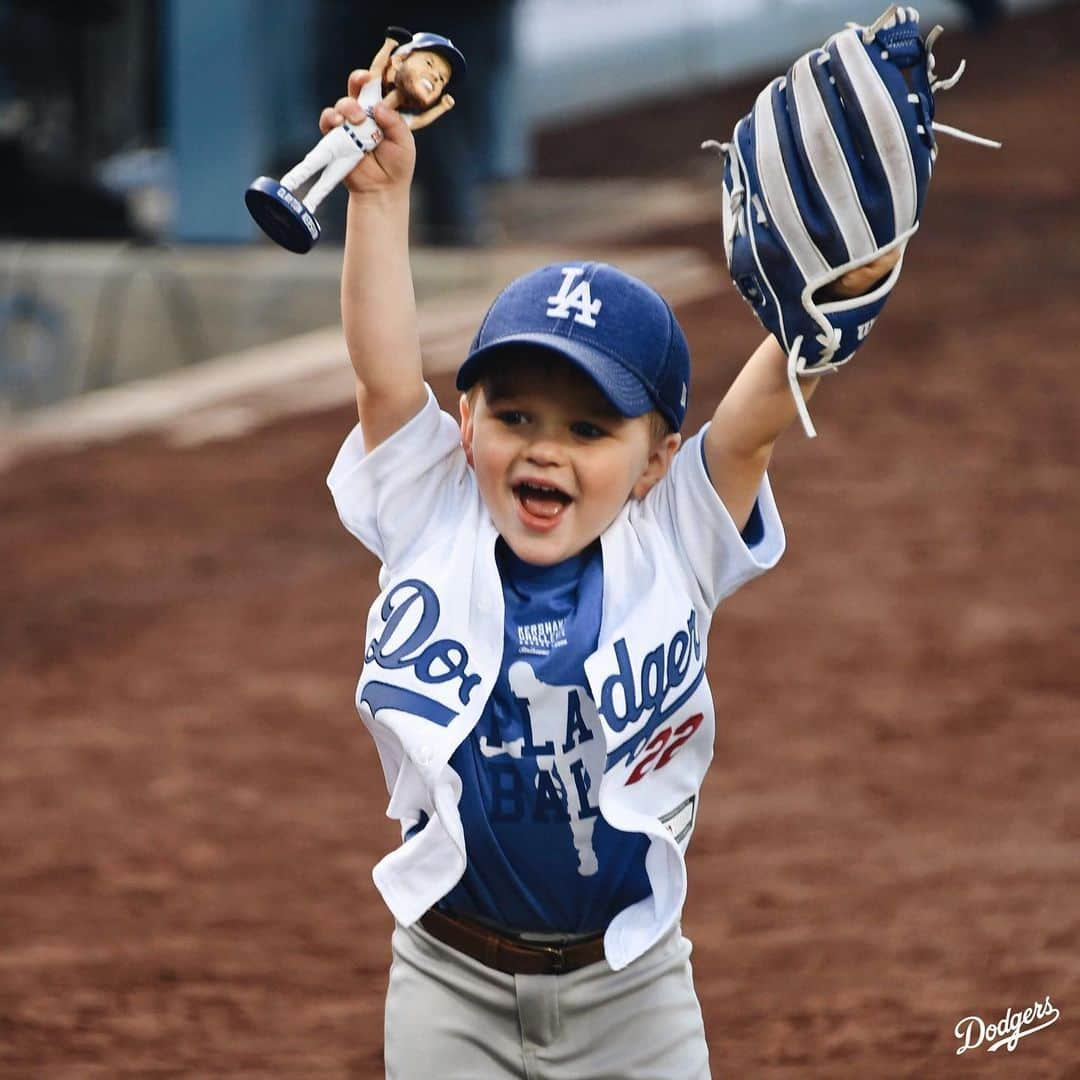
x: 413, y: 486
x: 716, y: 556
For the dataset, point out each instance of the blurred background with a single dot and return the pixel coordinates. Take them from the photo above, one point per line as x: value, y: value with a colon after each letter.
x: 129, y: 130
x: 190, y: 809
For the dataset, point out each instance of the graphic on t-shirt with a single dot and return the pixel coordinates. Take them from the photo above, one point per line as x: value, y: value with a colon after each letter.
x: 540, y: 638
x: 568, y: 755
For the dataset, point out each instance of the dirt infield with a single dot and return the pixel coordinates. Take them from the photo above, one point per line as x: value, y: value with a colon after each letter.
x: 890, y: 834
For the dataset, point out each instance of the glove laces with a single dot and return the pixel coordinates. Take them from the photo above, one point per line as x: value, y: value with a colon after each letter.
x: 896, y: 15
x: 796, y: 366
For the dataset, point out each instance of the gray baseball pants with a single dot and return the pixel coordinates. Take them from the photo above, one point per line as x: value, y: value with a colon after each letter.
x: 449, y: 1016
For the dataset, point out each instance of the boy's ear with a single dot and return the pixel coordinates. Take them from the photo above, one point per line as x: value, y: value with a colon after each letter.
x: 660, y: 458
x: 466, y: 427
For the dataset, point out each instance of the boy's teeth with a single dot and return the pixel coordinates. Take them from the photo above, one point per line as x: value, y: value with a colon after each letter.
x: 541, y: 489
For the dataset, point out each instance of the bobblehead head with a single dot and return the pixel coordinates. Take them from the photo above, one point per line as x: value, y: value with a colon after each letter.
x: 420, y: 77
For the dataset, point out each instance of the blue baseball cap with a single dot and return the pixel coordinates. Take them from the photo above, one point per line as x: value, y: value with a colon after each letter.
x: 436, y: 43
x: 613, y: 327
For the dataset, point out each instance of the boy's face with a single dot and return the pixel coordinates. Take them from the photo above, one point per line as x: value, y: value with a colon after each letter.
x: 554, y: 462
x: 421, y: 78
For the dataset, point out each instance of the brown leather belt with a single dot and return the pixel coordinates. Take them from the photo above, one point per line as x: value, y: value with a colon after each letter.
x: 511, y: 955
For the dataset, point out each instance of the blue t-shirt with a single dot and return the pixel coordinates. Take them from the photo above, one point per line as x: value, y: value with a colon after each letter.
x: 540, y: 856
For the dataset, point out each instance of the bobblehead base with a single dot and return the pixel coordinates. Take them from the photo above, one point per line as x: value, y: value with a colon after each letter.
x: 282, y: 216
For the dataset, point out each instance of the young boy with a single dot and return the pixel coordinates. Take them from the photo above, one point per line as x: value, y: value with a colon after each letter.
x: 534, y: 666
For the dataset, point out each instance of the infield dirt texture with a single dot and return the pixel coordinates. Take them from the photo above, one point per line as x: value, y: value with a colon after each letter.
x: 889, y: 838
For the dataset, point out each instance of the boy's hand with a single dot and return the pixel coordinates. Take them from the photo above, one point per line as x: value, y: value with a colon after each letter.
x: 862, y: 279
x: 390, y: 165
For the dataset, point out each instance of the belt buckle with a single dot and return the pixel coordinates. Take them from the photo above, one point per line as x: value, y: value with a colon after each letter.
x: 558, y: 958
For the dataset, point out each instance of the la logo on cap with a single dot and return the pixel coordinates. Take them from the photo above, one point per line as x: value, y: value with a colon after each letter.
x: 578, y: 297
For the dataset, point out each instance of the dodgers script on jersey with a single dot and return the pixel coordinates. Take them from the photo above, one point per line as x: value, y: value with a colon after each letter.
x: 434, y: 644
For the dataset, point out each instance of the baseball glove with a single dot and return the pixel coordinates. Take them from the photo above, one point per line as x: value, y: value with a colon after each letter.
x: 827, y: 173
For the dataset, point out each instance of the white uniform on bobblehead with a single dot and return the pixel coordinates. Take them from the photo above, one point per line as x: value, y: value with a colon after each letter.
x: 544, y: 730
x: 413, y: 72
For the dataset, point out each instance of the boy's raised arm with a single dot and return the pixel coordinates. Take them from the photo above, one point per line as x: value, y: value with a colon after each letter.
x: 759, y: 407
x: 754, y: 412
x: 378, y: 305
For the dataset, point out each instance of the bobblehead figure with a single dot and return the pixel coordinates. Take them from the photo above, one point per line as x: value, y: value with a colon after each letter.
x: 410, y: 74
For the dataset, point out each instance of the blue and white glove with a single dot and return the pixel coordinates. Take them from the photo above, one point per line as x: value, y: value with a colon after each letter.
x: 829, y: 172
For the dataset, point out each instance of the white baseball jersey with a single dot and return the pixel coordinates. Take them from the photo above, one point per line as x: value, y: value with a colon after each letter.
x: 434, y: 641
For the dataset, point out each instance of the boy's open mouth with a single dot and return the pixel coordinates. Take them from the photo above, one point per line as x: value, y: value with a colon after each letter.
x: 541, y: 501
